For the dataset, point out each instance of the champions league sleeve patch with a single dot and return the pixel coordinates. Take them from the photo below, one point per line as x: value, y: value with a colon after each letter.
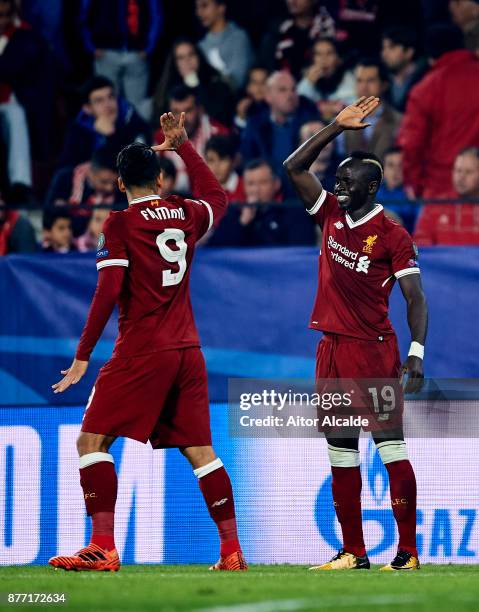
x: 101, y: 251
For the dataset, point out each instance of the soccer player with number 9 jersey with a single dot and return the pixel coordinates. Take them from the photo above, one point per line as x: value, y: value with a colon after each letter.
x: 154, y: 388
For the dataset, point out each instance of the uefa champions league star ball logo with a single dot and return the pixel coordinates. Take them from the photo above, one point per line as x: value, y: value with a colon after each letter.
x: 375, y: 479
x: 101, y: 242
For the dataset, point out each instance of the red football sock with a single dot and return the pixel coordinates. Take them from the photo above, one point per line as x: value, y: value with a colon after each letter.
x: 99, y: 483
x: 402, y: 485
x: 218, y: 494
x: 346, y: 487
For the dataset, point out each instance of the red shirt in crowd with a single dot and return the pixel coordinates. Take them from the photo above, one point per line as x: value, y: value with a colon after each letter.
x: 441, y: 118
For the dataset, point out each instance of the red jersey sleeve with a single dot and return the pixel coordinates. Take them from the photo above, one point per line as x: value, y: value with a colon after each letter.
x: 403, y: 253
x: 112, y: 249
x: 324, y: 205
x: 106, y: 295
x: 214, y: 201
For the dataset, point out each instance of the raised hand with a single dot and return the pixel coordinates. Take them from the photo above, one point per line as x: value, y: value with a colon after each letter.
x: 352, y: 117
x: 174, y: 132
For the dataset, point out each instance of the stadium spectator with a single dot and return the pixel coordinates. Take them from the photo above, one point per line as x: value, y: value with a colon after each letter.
x: 187, y: 65
x: 253, y: 100
x: 226, y: 46
x: 471, y: 39
x: 263, y: 224
x: 13, y: 124
x: 399, y: 54
x: 168, y: 176
x: 288, y: 45
x: 221, y: 156
x: 357, y: 25
x: 391, y: 192
x: 121, y: 35
x: 274, y: 134
x: 324, y: 167
x: 441, y: 114
x: 327, y: 81
x: 47, y: 18
x: 372, y: 80
x: 87, y: 185
x: 26, y: 77
x: 464, y: 13
x: 16, y: 232
x: 453, y: 223
x: 199, y: 127
x: 57, y: 231
x: 104, y: 119
x: 89, y: 240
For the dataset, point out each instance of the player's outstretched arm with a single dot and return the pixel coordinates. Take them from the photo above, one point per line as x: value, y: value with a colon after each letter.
x: 107, y: 292
x: 307, y: 185
x: 417, y: 316
x: 203, y: 180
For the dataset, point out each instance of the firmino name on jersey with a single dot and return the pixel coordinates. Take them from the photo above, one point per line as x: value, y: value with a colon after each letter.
x: 163, y: 212
x: 347, y: 258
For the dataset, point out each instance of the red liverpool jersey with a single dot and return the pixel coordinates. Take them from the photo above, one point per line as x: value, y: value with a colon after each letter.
x: 155, y: 240
x: 358, y: 265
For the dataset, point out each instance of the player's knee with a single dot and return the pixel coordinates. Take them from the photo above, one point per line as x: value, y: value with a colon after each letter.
x: 199, y: 456
x: 343, y: 457
x: 91, y: 443
x: 392, y: 450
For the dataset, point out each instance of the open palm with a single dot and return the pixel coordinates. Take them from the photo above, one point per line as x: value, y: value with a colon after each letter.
x: 352, y: 117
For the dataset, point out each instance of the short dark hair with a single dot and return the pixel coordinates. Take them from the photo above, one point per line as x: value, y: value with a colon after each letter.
x: 259, y: 162
x: 371, y: 171
x: 442, y: 38
x: 104, y: 157
x: 368, y: 62
x: 391, y: 151
x: 402, y: 35
x: 181, y: 92
x: 94, y: 83
x: 222, y: 145
x: 167, y: 167
x: 52, y: 214
x: 332, y: 41
x: 469, y: 151
x: 138, y: 165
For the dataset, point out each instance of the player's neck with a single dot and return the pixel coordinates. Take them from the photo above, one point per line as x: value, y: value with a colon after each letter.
x: 359, y: 213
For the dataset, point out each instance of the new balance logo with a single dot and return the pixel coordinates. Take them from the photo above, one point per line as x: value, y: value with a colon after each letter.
x: 363, y: 264
x: 339, y: 225
x: 220, y: 502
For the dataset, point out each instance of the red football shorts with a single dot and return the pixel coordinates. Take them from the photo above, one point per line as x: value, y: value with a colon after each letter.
x: 345, y: 357
x: 368, y: 371
x: 161, y: 397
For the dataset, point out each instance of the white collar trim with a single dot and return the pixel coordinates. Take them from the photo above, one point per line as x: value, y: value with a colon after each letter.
x: 145, y: 198
x: 372, y: 213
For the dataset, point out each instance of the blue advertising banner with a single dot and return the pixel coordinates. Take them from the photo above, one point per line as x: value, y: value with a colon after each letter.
x: 252, y: 309
x: 282, y: 496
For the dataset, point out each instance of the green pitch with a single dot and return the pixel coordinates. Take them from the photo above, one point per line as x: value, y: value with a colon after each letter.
x: 262, y: 589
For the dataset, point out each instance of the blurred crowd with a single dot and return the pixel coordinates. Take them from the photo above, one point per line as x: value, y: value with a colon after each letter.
x: 80, y: 80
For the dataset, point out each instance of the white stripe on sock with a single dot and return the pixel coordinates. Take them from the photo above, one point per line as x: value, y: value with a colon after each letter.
x: 92, y: 458
x: 204, y: 470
